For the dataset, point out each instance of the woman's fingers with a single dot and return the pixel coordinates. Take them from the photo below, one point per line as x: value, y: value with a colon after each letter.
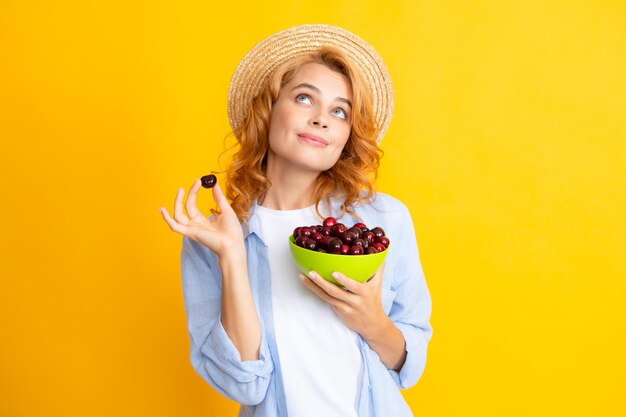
x: 321, y: 293
x: 173, y: 224
x: 348, y: 283
x: 190, y: 205
x: 178, y: 208
x: 329, y: 288
x: 221, y: 200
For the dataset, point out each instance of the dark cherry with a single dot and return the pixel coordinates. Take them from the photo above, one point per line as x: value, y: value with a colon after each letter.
x: 371, y: 250
x: 209, y: 181
x: 326, y: 230
x: 310, y: 244
x: 348, y: 237
x: 356, y: 231
x: 379, y: 247
x: 356, y: 250
x: 384, y: 240
x: 378, y: 231
x: 296, y: 232
x: 369, y: 236
x: 360, y: 242
x: 338, y: 229
x: 306, y: 231
x: 345, y: 249
x: 334, y: 246
x: 300, y: 241
x: 330, y: 221
x: 323, y: 242
x: 317, y: 236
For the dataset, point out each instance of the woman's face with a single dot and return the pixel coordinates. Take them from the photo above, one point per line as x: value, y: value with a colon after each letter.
x: 310, y: 121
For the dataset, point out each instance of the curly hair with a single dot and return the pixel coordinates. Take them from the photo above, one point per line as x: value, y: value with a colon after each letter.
x: 351, y: 178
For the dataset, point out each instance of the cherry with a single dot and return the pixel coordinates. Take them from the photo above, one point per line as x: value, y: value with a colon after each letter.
x: 317, y: 236
x: 338, y: 229
x: 356, y: 250
x: 348, y: 237
x: 209, y: 181
x: 300, y: 241
x: 345, y: 249
x: 369, y: 236
x: 334, y: 246
x: 379, y: 247
x: 330, y: 221
x: 360, y: 225
x: 310, y: 244
x: 378, y: 232
x: 384, y: 240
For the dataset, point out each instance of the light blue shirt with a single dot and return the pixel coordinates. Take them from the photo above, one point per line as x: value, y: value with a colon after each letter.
x: 257, y: 385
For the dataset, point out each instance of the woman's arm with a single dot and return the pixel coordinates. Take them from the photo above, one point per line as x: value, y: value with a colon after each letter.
x: 239, y: 316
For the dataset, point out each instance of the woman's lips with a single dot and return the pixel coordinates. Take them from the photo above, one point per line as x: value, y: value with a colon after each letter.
x: 313, y: 140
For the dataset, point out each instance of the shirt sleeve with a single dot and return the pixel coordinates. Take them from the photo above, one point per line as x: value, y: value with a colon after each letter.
x: 411, y: 307
x: 213, y: 355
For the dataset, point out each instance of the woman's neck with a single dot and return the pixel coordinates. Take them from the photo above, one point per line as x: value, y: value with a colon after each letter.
x: 291, y: 188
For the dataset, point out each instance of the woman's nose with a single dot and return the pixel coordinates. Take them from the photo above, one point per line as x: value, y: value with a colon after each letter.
x: 319, y: 121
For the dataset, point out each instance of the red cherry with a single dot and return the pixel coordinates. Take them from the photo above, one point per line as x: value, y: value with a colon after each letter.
x: 369, y: 236
x: 324, y: 241
x: 296, y: 232
x: 370, y: 250
x: 326, y: 231
x: 360, y: 242
x: 345, y: 249
x: 338, y: 229
x: 300, y: 241
x: 360, y: 225
x: 356, y: 250
x: 330, y: 221
x: 384, y: 240
x: 310, y: 244
x: 334, y: 246
x: 317, y: 236
x: 379, y: 247
x: 348, y: 237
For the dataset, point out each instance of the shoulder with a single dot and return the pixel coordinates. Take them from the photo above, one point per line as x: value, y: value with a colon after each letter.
x: 383, y: 205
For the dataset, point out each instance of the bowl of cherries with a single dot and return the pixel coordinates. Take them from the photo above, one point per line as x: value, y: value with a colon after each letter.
x: 356, y: 251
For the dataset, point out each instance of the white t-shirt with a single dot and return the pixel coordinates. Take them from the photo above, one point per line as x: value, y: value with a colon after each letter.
x: 319, y: 355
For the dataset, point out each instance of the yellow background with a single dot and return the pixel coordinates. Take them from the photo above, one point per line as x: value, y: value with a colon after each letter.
x: 507, y: 144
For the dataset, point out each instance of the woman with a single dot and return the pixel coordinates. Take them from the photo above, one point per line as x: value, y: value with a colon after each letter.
x: 309, y: 106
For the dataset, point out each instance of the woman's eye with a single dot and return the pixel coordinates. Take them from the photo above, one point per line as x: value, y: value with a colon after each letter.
x: 340, y: 113
x: 303, y: 98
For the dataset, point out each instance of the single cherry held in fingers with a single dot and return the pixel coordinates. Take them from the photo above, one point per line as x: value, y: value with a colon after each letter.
x: 209, y: 181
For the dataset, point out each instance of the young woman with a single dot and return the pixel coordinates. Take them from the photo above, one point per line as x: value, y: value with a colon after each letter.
x: 309, y: 106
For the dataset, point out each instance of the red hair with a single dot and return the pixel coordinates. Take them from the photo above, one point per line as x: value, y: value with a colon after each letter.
x: 350, y: 179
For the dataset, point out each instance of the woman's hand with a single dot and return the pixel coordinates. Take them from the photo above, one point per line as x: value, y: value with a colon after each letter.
x: 359, y: 306
x: 221, y: 235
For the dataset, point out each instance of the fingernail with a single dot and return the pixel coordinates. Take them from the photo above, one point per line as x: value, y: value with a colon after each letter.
x: 335, y: 275
x: 311, y: 275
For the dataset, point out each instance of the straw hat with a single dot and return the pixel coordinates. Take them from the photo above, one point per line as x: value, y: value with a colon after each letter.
x: 254, y: 69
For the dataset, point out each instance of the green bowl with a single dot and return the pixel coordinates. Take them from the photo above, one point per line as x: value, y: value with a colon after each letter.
x: 358, y: 267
